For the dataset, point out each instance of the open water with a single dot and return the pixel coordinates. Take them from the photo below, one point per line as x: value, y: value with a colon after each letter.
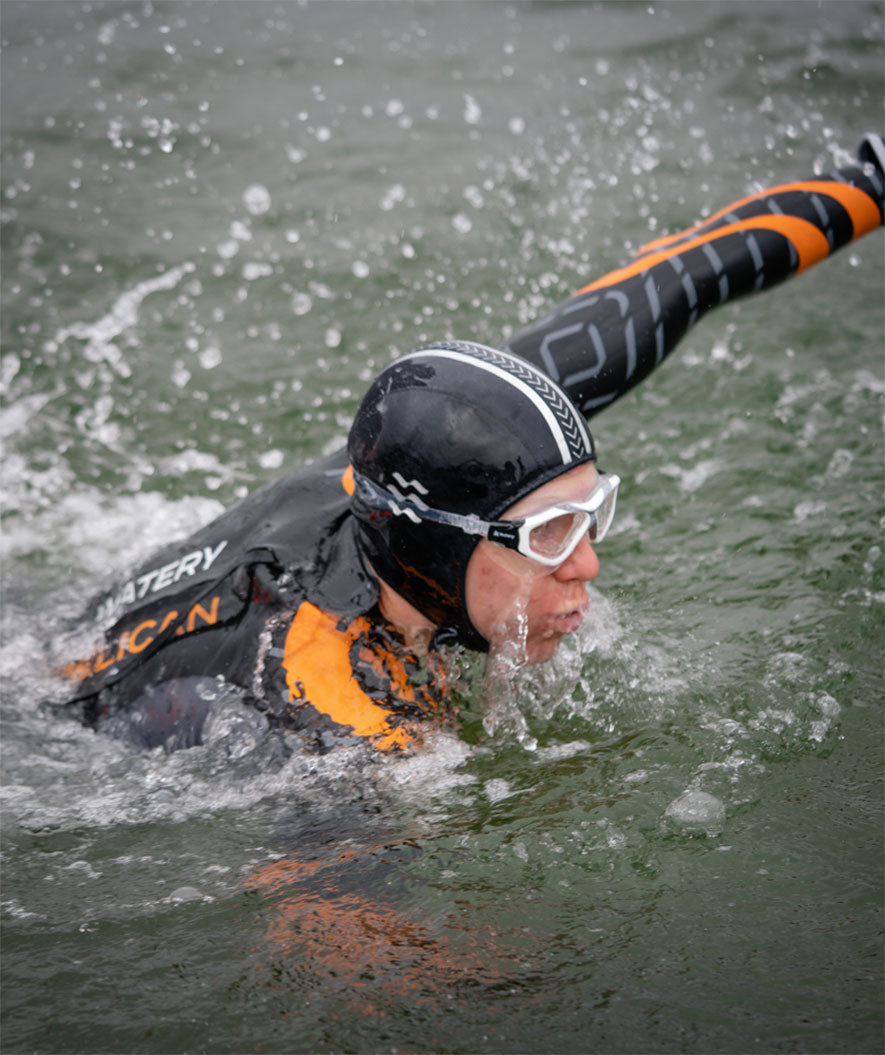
x: 219, y: 220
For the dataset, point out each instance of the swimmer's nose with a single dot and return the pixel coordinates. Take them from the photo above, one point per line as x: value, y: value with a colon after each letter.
x: 582, y: 563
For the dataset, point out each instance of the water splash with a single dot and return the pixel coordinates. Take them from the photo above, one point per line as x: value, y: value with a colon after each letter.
x: 516, y: 692
x: 696, y: 813
x: 100, y: 335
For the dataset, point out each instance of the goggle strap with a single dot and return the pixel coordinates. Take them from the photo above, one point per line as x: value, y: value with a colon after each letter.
x: 415, y: 509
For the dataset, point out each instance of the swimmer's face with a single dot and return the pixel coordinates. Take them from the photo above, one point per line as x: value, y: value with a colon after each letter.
x: 512, y: 600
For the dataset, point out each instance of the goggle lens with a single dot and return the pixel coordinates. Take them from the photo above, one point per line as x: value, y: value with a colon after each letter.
x: 553, y: 540
x: 555, y: 536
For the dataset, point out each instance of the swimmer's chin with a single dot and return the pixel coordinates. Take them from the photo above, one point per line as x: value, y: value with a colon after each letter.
x: 513, y: 656
x: 542, y: 650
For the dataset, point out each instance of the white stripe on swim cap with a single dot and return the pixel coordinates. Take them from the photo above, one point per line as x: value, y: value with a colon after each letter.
x: 534, y: 397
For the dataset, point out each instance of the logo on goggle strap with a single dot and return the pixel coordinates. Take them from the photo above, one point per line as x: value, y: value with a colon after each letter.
x: 506, y: 534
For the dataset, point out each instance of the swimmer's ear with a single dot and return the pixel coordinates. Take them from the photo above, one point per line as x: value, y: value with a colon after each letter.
x: 872, y: 149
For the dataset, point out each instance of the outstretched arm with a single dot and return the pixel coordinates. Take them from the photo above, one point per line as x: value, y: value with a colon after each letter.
x: 612, y: 333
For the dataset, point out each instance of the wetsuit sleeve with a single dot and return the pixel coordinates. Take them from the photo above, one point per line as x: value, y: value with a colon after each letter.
x: 610, y: 335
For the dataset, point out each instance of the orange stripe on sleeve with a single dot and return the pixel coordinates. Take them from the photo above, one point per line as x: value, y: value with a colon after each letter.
x: 860, y: 207
x: 810, y: 244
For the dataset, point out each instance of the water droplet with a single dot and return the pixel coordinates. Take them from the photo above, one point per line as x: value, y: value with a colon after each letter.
x: 254, y: 269
x: 474, y: 196
x: 240, y: 231
x: 256, y: 198
x: 302, y: 303
x: 210, y: 357
x: 472, y: 110
x: 271, y: 459
x: 394, y: 195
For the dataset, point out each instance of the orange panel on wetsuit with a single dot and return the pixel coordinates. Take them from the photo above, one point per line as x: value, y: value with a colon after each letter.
x: 329, y: 661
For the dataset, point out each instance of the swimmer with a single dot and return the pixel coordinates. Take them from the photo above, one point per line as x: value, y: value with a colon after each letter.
x: 465, y: 509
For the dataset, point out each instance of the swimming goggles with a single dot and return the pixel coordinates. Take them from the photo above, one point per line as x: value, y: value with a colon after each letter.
x: 548, y: 537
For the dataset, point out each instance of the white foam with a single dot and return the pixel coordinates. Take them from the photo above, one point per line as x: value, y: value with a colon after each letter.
x: 432, y: 770
x: 14, y: 417
x: 696, y: 813
x: 556, y: 752
x: 695, y: 476
x: 497, y: 789
x: 100, y: 533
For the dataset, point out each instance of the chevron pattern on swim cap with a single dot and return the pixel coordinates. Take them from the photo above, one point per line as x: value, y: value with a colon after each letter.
x: 564, y: 419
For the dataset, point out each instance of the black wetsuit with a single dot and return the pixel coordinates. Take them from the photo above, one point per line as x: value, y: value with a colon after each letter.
x: 274, y: 598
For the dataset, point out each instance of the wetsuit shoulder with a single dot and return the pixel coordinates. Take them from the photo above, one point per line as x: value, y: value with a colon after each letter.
x: 340, y: 680
x: 285, y: 522
x: 198, y: 607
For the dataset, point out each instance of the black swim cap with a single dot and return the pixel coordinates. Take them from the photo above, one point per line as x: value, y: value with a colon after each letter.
x: 470, y: 430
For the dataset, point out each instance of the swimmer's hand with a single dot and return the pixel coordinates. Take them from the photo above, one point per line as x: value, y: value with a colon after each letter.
x: 872, y: 149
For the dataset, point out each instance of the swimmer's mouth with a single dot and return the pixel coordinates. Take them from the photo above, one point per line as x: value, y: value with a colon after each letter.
x: 568, y: 622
